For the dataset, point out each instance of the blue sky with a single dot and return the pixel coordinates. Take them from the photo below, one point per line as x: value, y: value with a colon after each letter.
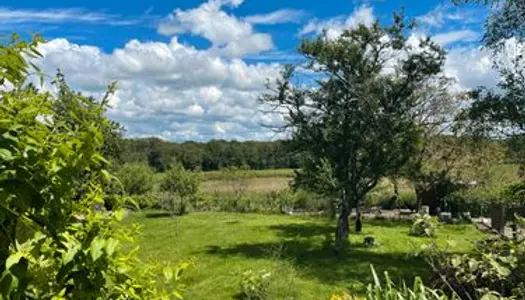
x: 192, y: 70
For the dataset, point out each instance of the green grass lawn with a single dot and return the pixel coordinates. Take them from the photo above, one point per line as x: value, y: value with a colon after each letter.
x: 296, y: 250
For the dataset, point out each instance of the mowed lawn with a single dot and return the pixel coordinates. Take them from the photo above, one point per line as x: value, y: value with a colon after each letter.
x: 296, y: 250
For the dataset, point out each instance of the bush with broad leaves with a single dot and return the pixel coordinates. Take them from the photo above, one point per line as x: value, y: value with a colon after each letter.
x: 56, y: 239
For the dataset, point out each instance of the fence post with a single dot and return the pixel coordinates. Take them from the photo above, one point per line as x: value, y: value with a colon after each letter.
x: 498, y: 217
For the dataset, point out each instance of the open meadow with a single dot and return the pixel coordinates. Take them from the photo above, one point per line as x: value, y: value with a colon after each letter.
x: 296, y: 251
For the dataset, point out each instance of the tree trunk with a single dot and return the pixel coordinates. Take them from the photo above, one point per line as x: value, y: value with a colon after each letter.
x: 419, y: 197
x: 358, y: 218
x: 396, y: 187
x: 342, y: 230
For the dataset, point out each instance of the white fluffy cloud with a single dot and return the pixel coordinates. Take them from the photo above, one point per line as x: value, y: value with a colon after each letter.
x: 169, y: 90
x: 229, y: 35
x: 473, y: 67
x: 175, y: 91
x: 335, y: 26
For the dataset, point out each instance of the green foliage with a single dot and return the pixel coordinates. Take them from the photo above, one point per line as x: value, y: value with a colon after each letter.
x: 283, y: 202
x: 210, y: 156
x: 53, y: 180
x: 495, y: 267
x: 136, y: 178
x: 478, y: 200
x: 387, y: 290
x: 500, y: 112
x: 505, y: 21
x: 14, y: 67
x: 254, y: 286
x: 183, y: 184
x: 67, y: 102
x: 424, y: 225
x: 157, y: 161
x: 384, y: 196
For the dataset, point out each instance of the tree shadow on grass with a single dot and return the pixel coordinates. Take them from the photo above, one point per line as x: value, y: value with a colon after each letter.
x: 302, y: 230
x: 323, y: 264
x: 305, y: 249
x: 327, y: 227
x: 158, y: 215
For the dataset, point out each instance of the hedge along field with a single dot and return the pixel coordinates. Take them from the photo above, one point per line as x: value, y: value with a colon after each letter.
x: 268, y: 192
x: 264, y: 191
x: 296, y: 251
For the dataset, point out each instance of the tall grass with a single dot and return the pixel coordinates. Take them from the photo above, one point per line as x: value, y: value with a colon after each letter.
x: 225, y: 174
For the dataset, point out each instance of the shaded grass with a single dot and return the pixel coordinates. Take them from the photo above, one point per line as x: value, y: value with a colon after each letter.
x: 298, y: 251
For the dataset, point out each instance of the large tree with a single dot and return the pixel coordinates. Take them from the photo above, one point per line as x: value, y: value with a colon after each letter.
x: 351, y: 117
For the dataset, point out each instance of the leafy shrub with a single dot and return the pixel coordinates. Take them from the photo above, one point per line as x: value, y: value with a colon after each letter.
x: 385, y: 200
x: 478, y: 200
x: 309, y: 201
x: 271, y: 203
x: 407, y: 200
x: 136, y: 178
x: 255, y: 286
x: 496, y: 267
x: 182, y: 184
x: 424, y: 225
x: 162, y: 201
x: 53, y: 177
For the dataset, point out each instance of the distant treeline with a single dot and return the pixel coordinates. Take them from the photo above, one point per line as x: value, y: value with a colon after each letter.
x: 213, y: 155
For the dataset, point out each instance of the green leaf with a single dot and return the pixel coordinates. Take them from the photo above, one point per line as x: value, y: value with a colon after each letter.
x: 96, y: 248
x: 490, y: 296
x: 13, y: 259
x: 168, y: 273
x: 106, y: 175
x: 9, y: 136
x: 70, y: 254
x: 6, y: 155
x: 178, y: 295
x: 111, y: 246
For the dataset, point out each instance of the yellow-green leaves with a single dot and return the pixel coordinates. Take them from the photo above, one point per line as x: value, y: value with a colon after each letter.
x: 54, y: 181
x: 5, y: 155
x: 96, y: 248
